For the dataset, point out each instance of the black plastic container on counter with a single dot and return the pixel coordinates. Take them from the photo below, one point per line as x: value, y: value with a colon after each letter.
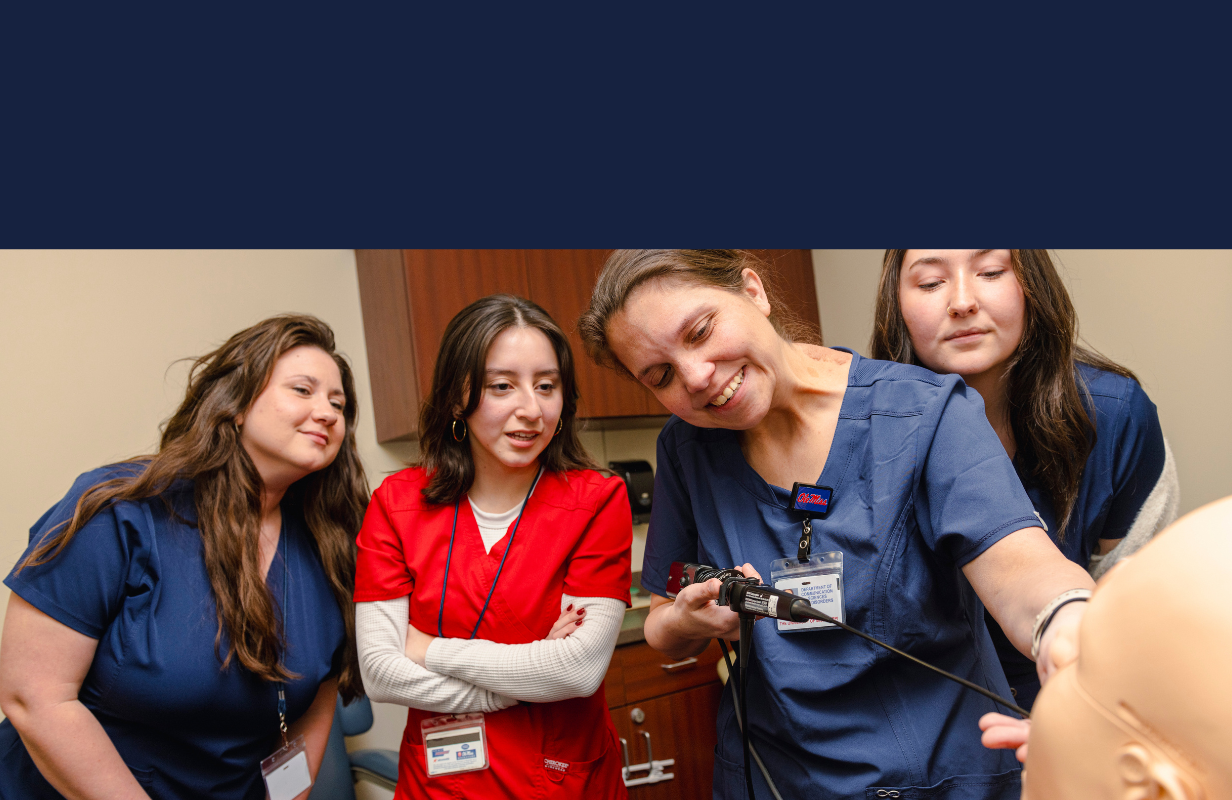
x: 639, y: 480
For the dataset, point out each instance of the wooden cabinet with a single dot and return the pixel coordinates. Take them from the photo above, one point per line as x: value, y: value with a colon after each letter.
x: 409, y: 296
x: 676, y: 704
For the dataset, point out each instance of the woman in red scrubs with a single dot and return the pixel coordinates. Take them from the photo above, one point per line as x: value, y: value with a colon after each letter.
x: 508, y: 552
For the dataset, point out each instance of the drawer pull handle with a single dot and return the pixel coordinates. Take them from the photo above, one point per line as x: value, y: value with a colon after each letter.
x: 688, y: 662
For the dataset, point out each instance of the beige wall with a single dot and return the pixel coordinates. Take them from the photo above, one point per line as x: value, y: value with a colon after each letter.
x: 1165, y: 314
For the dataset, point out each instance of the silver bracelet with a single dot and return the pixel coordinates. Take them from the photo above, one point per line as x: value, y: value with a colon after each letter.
x: 1045, y: 616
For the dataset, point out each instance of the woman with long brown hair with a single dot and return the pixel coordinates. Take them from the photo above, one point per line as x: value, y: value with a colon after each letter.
x: 1084, y: 438
x: 914, y: 515
x: 508, y: 552
x: 175, y: 611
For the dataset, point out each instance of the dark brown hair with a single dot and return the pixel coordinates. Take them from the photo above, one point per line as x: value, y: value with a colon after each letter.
x: 201, y: 443
x: 460, y: 372
x: 1047, y: 398
x: 625, y: 270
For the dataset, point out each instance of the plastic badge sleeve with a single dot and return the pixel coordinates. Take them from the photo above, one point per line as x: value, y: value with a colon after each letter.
x: 286, y: 771
x: 819, y: 580
x: 455, y: 743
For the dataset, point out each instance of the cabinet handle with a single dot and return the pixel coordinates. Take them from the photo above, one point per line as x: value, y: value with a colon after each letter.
x: 688, y: 662
x: 649, y: 756
x: 624, y: 754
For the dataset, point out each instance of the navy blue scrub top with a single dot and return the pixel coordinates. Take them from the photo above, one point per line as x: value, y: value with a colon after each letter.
x: 1122, y: 469
x: 134, y: 579
x: 921, y: 486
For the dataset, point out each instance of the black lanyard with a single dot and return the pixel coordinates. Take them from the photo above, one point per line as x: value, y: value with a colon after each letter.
x: 445, y: 584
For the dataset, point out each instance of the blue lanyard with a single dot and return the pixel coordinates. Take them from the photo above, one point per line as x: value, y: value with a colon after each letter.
x: 286, y: 578
x: 449, y: 556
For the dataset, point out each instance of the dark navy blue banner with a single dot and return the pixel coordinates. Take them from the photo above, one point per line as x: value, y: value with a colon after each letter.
x: 788, y: 125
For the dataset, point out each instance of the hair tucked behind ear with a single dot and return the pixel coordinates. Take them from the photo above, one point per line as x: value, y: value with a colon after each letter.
x: 1049, y: 406
x: 457, y: 387
x: 201, y: 443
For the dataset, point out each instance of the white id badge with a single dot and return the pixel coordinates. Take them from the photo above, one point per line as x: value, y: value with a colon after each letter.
x: 819, y: 580
x: 456, y: 743
x: 286, y: 771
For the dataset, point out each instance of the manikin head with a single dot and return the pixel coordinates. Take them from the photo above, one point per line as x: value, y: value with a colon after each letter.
x: 1145, y: 713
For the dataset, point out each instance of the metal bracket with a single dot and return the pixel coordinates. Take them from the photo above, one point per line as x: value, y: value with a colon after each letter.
x: 654, y: 769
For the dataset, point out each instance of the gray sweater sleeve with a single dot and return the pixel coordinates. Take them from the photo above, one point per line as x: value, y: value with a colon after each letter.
x: 542, y: 671
x: 390, y: 677
x: 1157, y: 513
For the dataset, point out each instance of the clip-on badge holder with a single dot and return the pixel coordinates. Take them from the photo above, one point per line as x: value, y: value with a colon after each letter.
x: 817, y: 577
x: 455, y: 743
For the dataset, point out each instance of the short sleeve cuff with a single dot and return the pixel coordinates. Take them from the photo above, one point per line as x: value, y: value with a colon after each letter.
x: 992, y: 537
x: 49, y: 607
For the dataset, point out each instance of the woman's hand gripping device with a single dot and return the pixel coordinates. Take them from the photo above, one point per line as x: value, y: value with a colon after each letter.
x: 746, y: 596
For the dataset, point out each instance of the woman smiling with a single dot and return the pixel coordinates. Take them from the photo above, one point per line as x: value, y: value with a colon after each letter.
x: 175, y: 613
x: 924, y: 508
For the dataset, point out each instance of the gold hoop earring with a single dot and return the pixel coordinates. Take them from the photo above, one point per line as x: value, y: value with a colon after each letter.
x: 560, y: 426
x: 453, y: 429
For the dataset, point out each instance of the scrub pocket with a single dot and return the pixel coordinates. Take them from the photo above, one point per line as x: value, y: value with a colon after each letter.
x: 1005, y: 786
x: 568, y: 780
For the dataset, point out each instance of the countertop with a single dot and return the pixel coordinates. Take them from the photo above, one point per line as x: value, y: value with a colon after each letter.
x: 635, y: 617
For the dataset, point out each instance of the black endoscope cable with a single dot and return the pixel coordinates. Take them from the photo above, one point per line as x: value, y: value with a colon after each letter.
x: 739, y: 697
x: 750, y: 596
x: 809, y: 611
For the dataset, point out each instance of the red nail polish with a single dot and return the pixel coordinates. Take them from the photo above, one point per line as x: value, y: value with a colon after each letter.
x: 578, y: 623
x: 570, y: 608
x: 581, y: 611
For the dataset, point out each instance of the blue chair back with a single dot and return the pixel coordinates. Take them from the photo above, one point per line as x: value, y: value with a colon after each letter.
x: 334, y: 781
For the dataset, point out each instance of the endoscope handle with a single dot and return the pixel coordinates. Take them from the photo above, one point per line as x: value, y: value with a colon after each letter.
x: 767, y: 602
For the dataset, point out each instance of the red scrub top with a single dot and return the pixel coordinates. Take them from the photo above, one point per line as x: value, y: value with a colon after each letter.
x: 574, y: 538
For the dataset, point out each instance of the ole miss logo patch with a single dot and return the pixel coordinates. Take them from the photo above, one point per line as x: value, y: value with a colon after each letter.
x: 812, y: 500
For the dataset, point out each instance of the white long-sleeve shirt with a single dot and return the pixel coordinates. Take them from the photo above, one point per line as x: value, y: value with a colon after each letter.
x: 478, y: 675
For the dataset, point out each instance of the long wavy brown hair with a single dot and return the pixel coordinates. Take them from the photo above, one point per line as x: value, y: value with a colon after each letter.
x: 1049, y: 406
x: 625, y: 270
x: 459, y: 373
x: 201, y: 443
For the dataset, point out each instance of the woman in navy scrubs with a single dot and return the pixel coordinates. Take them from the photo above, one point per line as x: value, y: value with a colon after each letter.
x: 1084, y: 438
x: 165, y: 600
x: 931, y: 521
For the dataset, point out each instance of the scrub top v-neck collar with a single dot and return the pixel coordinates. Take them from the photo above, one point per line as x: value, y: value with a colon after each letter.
x: 832, y: 473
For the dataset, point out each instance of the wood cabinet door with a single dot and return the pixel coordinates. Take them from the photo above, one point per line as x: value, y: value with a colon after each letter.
x: 648, y: 673
x: 440, y: 283
x: 392, y: 362
x: 794, y: 284
x: 682, y: 727
x: 561, y: 281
